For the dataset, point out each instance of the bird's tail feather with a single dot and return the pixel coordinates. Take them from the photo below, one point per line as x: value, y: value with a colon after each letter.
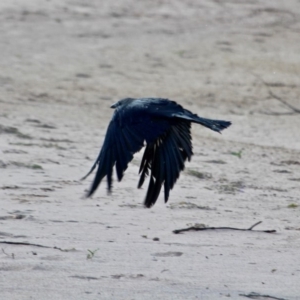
x: 215, y: 125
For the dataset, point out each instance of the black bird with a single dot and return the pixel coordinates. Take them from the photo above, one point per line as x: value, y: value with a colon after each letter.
x: 165, y: 127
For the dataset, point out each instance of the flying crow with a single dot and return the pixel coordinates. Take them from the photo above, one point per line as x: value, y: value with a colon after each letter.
x: 165, y: 126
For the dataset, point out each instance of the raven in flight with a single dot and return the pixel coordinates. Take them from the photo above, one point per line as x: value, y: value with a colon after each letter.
x: 165, y: 127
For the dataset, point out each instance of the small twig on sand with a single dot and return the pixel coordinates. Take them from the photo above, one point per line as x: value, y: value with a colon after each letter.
x: 35, y: 245
x: 257, y: 223
x: 267, y: 85
x: 11, y: 256
x: 259, y: 296
x: 294, y: 109
x: 195, y: 228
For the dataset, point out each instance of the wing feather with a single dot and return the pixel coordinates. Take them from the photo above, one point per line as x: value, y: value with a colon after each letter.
x: 123, y: 155
x: 146, y: 164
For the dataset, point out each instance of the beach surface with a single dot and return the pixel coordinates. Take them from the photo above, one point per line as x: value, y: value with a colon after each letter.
x: 63, y: 63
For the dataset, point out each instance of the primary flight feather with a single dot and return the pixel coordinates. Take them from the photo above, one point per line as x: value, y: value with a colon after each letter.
x: 165, y: 127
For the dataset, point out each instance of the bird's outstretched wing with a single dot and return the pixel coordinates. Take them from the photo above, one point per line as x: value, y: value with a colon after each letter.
x: 118, y: 149
x: 165, y: 158
x: 125, y: 136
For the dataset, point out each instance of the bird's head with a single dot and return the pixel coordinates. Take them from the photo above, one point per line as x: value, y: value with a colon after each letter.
x: 122, y: 102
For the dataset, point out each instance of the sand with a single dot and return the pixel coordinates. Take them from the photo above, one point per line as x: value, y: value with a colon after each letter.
x: 63, y: 63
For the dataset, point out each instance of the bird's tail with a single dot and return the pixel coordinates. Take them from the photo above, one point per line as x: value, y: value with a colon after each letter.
x: 215, y: 125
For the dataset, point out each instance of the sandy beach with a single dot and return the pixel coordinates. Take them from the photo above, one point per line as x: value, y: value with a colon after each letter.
x: 63, y: 63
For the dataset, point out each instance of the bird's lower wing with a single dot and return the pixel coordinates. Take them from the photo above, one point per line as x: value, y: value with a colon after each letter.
x: 165, y: 158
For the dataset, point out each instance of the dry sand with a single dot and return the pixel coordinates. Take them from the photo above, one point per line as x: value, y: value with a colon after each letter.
x: 63, y: 63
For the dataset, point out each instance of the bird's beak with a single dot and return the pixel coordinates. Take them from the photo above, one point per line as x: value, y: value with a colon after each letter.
x: 114, y: 105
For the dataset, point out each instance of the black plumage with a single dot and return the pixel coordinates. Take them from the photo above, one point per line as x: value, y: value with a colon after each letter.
x: 165, y: 127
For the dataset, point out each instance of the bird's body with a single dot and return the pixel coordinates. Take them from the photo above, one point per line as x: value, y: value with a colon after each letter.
x: 165, y: 127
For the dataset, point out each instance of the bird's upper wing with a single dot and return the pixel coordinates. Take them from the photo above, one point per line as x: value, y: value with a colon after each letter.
x: 126, y: 133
